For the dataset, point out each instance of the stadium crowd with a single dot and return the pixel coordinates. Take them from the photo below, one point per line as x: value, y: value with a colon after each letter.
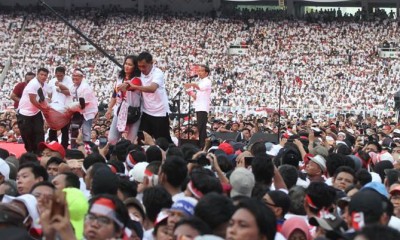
x: 329, y: 176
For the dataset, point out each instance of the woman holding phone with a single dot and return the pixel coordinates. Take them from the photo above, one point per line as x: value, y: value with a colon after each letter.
x: 120, y: 96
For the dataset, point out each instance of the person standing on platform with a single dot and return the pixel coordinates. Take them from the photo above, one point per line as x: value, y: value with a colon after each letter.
x: 129, y: 73
x: 59, y: 94
x: 155, y: 120
x: 81, y: 91
x: 29, y: 118
x: 19, y: 88
x: 201, y: 93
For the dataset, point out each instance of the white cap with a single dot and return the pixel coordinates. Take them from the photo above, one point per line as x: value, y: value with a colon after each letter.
x: 137, y: 173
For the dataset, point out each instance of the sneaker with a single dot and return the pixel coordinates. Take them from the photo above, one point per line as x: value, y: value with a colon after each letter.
x: 82, y: 103
x: 40, y: 94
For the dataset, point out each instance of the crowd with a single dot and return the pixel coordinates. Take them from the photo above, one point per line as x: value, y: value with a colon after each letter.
x: 328, y: 175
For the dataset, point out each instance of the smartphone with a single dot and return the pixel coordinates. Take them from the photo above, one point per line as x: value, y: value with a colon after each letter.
x: 248, y: 161
x: 58, y: 204
x: 140, y: 138
x: 102, y: 141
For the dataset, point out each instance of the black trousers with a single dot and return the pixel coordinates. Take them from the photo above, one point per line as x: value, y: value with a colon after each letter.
x: 202, y: 119
x: 64, y: 136
x: 156, y: 126
x: 32, y: 131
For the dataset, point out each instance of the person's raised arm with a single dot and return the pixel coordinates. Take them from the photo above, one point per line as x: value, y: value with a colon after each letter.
x: 149, y: 89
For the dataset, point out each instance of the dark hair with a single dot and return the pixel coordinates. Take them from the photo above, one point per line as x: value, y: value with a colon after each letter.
x: 224, y: 163
x: 154, y: 167
x: 345, y: 169
x: 43, y: 70
x: 4, y: 153
x: 121, y: 212
x: 136, y: 71
x: 265, y: 218
x: 175, y: 151
x: 204, y: 182
x: 163, y: 143
x: 127, y: 188
x: 54, y: 160
x: 153, y: 153
x: 104, y: 181
x: 195, y: 223
x: 392, y: 175
x: 281, y: 200
x: 145, y: 56
x: 44, y: 183
x: 91, y: 159
x: 379, y: 231
x: 322, y: 195
x: 214, y: 209
x: 30, y: 74
x: 154, y: 200
x: 28, y: 157
x: 36, y: 169
x: 71, y: 180
x: 175, y: 169
x: 206, y: 68
x: 263, y: 169
x: 60, y: 69
x: 333, y: 161
x: 258, y: 148
x: 289, y: 174
x: 363, y: 177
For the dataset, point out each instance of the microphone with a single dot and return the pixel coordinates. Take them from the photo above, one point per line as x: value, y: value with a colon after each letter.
x: 194, y: 76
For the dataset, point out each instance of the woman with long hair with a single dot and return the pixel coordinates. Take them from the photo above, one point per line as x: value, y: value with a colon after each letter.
x: 122, y: 93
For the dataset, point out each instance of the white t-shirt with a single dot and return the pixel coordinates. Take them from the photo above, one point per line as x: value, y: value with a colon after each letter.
x: 59, y: 97
x: 203, y: 95
x: 86, y: 92
x: 25, y: 106
x: 155, y: 104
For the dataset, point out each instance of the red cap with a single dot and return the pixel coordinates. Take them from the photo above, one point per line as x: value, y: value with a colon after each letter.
x: 53, y: 146
x: 227, y: 148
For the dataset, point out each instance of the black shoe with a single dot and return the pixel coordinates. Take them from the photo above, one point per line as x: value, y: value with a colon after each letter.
x: 82, y: 103
x: 40, y: 94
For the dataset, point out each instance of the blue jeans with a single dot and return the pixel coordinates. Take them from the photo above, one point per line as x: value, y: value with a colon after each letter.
x: 86, y: 130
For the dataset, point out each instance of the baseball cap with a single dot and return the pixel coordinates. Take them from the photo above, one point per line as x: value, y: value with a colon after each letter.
x: 137, y: 173
x: 30, y: 203
x: 369, y: 202
x: 185, y: 205
x: 329, y: 222
x: 227, y: 148
x: 135, y: 203
x: 242, y: 181
x: 77, y: 208
x: 161, y: 217
x: 378, y: 187
x: 395, y: 189
x: 53, y: 146
x: 320, y: 160
x: 4, y: 169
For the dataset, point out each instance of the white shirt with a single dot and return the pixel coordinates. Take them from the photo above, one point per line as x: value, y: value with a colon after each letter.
x: 86, y: 92
x: 56, y: 95
x: 203, y: 95
x: 155, y: 104
x: 25, y: 106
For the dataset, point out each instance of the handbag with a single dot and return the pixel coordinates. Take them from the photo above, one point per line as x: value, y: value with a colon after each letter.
x: 133, y: 113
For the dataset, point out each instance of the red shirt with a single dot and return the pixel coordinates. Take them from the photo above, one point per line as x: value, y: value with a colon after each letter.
x: 18, y: 89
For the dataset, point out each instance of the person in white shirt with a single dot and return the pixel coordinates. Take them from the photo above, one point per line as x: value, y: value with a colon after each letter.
x: 155, y: 120
x: 60, y: 95
x: 29, y: 118
x: 81, y: 91
x: 202, y: 100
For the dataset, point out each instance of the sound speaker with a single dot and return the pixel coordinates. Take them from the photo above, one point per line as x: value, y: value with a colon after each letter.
x: 226, y: 135
x: 264, y: 137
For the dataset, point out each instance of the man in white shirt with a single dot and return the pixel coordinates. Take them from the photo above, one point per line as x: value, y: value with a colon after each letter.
x: 155, y: 106
x: 202, y: 100
x: 81, y: 91
x: 60, y: 95
x: 29, y: 118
